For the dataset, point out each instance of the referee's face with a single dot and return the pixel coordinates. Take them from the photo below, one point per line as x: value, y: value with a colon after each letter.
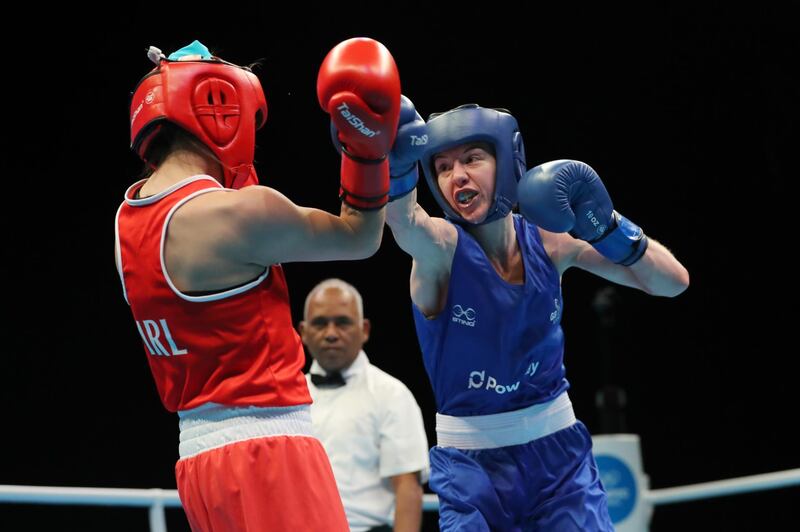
x: 332, y: 330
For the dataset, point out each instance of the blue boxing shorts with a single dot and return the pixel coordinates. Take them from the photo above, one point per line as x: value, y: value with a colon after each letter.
x: 547, y: 484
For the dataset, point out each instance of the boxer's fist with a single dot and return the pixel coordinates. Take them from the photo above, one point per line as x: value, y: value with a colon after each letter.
x: 408, y: 145
x: 359, y: 86
x: 566, y: 195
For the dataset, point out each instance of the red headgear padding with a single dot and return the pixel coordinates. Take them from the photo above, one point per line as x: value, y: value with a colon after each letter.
x: 220, y: 103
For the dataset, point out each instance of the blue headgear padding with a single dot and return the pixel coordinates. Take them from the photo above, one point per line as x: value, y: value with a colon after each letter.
x: 195, y: 48
x: 473, y: 123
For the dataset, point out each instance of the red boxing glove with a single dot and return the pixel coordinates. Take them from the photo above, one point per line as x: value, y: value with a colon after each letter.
x: 359, y: 86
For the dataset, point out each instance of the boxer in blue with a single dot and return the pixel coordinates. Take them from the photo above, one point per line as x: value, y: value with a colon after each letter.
x: 486, y: 293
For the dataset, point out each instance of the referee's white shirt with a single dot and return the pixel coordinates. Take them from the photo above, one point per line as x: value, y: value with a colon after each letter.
x: 372, y: 429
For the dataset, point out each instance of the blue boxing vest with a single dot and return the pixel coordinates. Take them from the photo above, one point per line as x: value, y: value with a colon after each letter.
x: 495, y: 346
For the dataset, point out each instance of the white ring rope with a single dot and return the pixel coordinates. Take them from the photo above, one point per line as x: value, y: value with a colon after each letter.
x: 157, y: 499
x: 169, y: 498
x: 90, y: 496
x: 719, y: 488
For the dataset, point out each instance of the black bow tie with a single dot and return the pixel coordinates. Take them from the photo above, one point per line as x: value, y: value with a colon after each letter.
x: 333, y: 379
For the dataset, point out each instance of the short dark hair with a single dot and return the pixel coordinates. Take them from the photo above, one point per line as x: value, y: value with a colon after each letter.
x: 169, y: 138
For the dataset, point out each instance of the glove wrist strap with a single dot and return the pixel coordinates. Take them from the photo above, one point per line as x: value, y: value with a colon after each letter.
x: 364, y: 186
x: 624, y: 243
x: 361, y: 160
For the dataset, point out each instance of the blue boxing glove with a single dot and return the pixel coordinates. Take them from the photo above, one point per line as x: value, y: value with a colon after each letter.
x: 566, y: 195
x: 406, y: 151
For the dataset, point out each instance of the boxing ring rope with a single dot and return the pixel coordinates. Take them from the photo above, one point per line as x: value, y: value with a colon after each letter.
x: 158, y: 499
x: 720, y: 488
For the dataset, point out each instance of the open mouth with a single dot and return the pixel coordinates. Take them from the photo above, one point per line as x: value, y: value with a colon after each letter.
x: 465, y: 197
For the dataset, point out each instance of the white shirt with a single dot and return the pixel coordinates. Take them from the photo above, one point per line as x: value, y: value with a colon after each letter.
x: 372, y: 429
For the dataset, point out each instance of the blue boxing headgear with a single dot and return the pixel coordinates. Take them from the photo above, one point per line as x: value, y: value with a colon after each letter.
x: 473, y: 123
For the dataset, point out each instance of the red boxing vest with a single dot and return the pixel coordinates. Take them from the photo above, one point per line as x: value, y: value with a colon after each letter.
x: 235, y: 348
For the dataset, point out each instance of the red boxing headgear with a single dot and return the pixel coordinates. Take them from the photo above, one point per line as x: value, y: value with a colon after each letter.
x: 220, y: 103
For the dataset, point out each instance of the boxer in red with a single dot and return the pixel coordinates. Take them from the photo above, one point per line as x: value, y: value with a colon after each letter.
x: 198, y: 249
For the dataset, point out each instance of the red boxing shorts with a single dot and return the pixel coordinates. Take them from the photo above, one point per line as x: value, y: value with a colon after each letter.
x: 233, y: 477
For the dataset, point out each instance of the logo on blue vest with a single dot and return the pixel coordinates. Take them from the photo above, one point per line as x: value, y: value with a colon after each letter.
x: 477, y: 379
x: 464, y: 316
x: 620, y: 486
x: 555, y: 313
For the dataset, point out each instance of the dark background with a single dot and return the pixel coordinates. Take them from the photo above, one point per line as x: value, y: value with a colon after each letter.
x: 688, y: 115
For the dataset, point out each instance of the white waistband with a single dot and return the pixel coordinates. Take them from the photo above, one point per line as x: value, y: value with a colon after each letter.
x: 507, y: 428
x: 211, y: 426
